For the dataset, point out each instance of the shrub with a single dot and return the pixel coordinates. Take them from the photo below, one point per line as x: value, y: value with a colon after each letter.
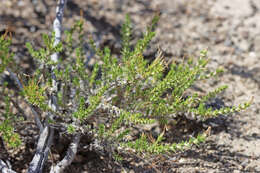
x: 119, y: 94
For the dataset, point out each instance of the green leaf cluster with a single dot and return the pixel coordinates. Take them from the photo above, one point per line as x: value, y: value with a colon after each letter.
x: 6, y: 57
x: 35, y: 94
x: 142, y: 144
x: 43, y: 54
x: 7, y: 130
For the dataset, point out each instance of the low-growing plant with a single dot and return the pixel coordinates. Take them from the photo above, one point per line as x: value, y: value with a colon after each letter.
x: 119, y: 94
x: 7, y: 131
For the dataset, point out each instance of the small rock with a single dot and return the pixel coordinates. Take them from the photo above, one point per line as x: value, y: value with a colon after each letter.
x: 257, y: 44
x: 245, y: 163
x: 131, y: 171
x: 236, y: 171
x: 182, y: 160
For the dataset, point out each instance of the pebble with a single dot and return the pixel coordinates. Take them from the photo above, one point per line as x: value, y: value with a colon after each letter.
x: 182, y: 160
x: 236, y: 171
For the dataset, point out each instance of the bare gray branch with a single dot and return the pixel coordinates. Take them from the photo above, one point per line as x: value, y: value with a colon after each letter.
x: 57, y: 24
x: 42, y: 150
x: 4, y: 168
x: 70, y: 155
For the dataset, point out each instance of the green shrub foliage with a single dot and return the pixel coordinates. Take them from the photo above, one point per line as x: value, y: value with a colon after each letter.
x: 120, y: 94
x: 8, y: 119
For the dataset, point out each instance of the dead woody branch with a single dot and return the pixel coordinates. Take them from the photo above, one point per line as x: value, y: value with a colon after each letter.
x: 69, y: 157
x: 42, y: 150
x: 4, y: 168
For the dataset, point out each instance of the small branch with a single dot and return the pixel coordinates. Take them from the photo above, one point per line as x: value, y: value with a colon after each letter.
x: 113, y: 109
x: 70, y: 155
x: 42, y: 150
x: 57, y: 24
x: 19, y: 109
x: 4, y: 168
x: 149, y: 163
x: 19, y: 84
x: 15, y: 78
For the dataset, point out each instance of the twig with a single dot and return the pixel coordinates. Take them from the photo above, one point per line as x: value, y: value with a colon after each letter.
x: 42, y: 150
x: 57, y: 24
x: 70, y: 155
x: 4, y: 168
x: 19, y: 84
x: 15, y: 78
x: 20, y: 110
x: 148, y: 163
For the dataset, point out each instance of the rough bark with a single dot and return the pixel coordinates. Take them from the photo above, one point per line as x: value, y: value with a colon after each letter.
x: 4, y: 168
x: 69, y: 157
x: 42, y: 150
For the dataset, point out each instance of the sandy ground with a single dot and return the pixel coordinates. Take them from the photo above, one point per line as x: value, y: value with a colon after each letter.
x: 230, y: 30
